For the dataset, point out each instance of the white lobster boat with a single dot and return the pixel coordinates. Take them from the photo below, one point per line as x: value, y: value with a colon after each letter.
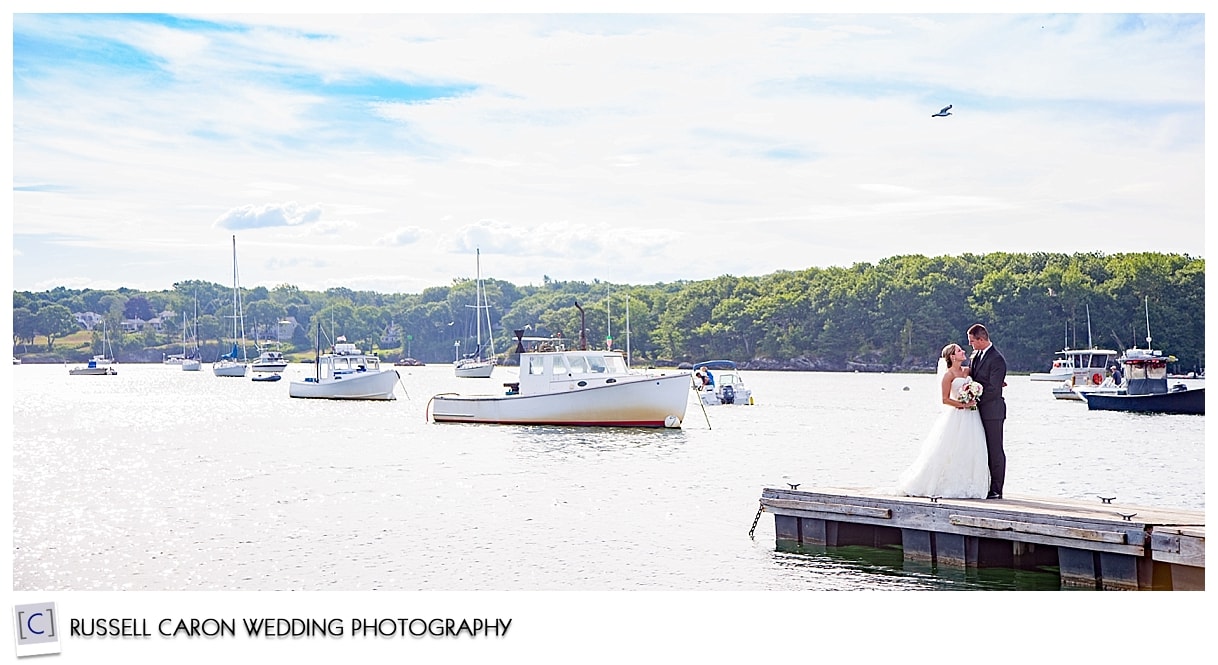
x: 589, y: 388
x: 347, y: 374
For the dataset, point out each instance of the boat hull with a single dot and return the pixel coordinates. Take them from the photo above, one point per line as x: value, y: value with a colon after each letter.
x: 1186, y: 402
x: 364, y: 385
x: 645, y: 401
x: 228, y: 368
x: 269, y: 367
x: 191, y: 365
x: 717, y: 397
x: 93, y: 371
x: 474, y: 370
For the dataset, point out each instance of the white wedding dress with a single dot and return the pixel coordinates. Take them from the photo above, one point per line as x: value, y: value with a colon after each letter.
x: 953, y: 462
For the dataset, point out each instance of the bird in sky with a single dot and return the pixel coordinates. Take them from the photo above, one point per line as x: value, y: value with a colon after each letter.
x: 943, y: 112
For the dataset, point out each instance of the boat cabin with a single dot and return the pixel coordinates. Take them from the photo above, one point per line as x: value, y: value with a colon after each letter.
x: 347, y: 359
x: 560, y: 371
x: 1145, y: 372
x: 1089, y: 367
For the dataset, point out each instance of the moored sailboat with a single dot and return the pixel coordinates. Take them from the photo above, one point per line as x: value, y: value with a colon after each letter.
x: 476, y: 365
x: 229, y: 364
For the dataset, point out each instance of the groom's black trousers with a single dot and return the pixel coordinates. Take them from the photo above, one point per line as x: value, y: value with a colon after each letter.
x: 998, y: 458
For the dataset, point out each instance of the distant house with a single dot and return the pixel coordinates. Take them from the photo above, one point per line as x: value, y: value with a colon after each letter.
x: 88, y: 320
x: 280, y: 330
x: 131, y: 325
x: 392, y: 334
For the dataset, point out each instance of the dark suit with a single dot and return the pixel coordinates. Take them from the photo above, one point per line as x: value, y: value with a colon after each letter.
x: 991, y: 373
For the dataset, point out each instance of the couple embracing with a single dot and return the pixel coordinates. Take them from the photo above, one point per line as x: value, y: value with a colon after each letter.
x: 962, y: 456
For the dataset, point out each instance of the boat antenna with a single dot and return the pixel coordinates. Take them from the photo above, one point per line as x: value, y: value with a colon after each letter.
x: 608, y: 317
x: 1089, y: 344
x: 627, y: 330
x: 317, y: 355
x: 1147, y: 305
x: 583, y: 328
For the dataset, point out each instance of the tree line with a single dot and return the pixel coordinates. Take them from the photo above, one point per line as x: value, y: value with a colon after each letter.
x: 895, y: 314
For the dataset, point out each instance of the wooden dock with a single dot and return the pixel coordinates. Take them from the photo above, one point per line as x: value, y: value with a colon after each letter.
x: 1099, y: 544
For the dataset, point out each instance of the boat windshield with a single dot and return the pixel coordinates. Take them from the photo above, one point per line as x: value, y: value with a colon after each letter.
x: 1146, y: 370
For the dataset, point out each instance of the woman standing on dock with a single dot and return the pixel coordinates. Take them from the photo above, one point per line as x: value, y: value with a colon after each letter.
x: 953, y: 462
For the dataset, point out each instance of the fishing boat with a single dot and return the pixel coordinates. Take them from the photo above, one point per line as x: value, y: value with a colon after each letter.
x: 346, y: 373
x: 476, y: 365
x: 1088, y: 373
x: 580, y: 387
x: 1146, y: 389
x: 722, y: 385
x: 232, y: 364
x: 1088, y: 369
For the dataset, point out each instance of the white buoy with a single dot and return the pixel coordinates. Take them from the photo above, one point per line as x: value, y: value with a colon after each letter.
x: 672, y: 421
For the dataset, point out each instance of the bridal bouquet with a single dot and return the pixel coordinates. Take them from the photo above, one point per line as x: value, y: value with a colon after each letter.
x: 970, y: 393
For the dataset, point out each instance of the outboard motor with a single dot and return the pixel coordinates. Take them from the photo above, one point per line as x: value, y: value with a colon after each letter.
x: 729, y: 395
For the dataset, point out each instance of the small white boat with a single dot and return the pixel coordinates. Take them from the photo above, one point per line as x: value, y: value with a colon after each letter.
x: 587, y: 388
x: 347, y: 373
x: 722, y: 385
x: 1061, y: 370
x: 93, y: 369
x: 191, y: 364
x: 100, y: 363
x: 269, y: 361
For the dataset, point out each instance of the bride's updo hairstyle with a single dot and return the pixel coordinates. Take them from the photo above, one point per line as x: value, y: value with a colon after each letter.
x: 948, y: 352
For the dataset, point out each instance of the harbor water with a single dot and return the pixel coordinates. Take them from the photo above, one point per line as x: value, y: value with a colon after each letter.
x: 157, y: 479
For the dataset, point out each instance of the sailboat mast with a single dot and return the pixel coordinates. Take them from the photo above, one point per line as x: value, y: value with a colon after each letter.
x: 234, y: 288
x: 478, y: 299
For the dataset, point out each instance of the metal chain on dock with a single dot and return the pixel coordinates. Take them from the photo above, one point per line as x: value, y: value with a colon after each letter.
x: 760, y: 510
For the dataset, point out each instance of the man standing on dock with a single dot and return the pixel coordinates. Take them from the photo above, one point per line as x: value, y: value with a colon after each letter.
x: 989, y: 369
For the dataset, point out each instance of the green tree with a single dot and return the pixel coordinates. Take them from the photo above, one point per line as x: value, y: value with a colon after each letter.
x: 55, y: 321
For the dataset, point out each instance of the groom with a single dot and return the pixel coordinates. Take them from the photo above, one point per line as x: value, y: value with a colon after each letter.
x: 989, y: 369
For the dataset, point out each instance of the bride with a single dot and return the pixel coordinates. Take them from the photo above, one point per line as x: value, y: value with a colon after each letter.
x: 953, y: 462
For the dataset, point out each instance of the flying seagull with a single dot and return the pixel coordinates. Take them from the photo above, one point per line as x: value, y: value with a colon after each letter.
x: 943, y: 112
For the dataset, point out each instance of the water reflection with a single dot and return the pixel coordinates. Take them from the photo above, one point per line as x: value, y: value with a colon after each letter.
x: 887, y: 567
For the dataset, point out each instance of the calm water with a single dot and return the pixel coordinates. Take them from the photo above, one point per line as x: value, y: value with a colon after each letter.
x: 158, y: 479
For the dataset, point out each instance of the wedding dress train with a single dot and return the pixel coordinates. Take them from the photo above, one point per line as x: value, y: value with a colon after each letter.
x: 953, y: 462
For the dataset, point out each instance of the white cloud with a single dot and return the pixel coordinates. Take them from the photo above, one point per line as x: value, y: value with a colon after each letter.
x: 268, y: 215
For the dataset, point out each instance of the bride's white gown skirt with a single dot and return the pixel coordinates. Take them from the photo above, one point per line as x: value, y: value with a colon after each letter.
x: 953, y: 462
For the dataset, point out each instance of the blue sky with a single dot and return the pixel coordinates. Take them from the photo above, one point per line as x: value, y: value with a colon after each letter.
x: 378, y: 151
